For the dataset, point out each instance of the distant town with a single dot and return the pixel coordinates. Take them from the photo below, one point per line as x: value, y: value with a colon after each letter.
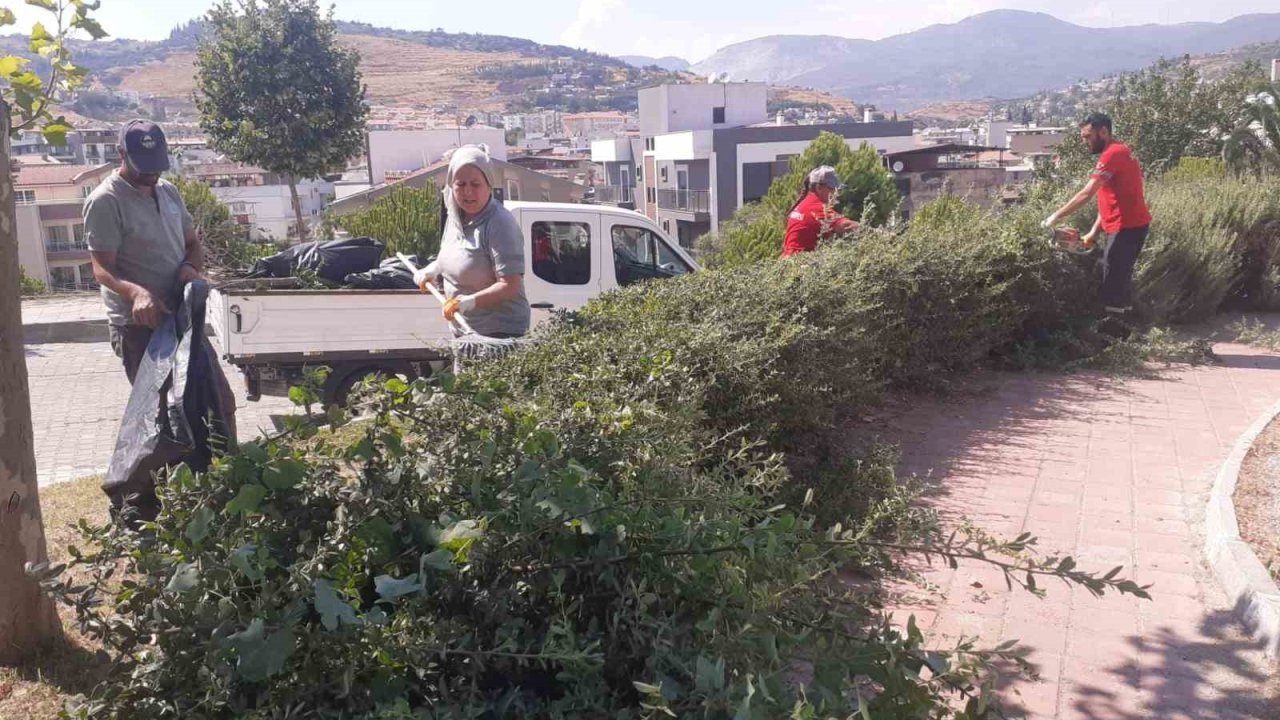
x: 689, y: 157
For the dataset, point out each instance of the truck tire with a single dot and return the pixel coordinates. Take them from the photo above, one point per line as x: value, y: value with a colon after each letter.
x: 344, y: 378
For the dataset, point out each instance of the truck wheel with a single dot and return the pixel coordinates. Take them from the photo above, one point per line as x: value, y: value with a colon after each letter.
x: 337, y: 389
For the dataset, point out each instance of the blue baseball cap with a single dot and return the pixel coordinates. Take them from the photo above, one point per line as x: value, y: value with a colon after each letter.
x: 145, y: 147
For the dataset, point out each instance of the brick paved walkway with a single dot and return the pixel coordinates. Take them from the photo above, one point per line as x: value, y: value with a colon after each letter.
x: 1115, y: 473
x: 78, y: 390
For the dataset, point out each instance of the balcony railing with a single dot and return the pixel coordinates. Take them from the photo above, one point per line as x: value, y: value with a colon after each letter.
x: 694, y: 201
x: 615, y: 194
x: 65, y: 245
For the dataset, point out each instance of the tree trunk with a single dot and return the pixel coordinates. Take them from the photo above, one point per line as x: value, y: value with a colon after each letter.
x: 297, y: 209
x: 27, y: 617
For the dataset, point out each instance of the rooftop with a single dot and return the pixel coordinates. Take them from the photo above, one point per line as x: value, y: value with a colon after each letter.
x: 33, y: 175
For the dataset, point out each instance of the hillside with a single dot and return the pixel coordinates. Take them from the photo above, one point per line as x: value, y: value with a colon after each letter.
x: 669, y: 63
x: 426, y: 69
x: 1003, y: 53
x: 1072, y: 102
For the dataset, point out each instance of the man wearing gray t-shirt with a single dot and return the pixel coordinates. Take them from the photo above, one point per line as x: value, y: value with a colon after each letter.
x: 144, y: 244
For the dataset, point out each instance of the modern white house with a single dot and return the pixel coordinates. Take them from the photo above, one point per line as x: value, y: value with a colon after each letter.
x: 703, y: 151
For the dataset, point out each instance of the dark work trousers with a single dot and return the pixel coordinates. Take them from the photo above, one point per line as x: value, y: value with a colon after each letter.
x: 130, y: 345
x: 1118, y: 259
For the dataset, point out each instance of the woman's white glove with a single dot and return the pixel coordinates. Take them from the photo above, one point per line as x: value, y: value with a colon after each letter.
x: 426, y: 275
x: 458, y: 304
x: 1050, y: 221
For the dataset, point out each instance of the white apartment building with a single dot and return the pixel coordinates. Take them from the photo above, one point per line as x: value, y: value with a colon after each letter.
x: 261, y: 202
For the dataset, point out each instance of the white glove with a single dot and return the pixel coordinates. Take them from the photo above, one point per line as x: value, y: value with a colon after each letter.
x: 458, y: 304
x: 1050, y: 221
x: 426, y: 275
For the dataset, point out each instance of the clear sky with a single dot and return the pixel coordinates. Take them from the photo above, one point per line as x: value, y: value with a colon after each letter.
x: 691, y: 29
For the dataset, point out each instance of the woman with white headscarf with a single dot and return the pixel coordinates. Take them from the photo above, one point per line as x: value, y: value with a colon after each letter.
x: 481, y: 252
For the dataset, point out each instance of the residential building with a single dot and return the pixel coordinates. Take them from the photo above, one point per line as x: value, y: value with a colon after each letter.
x: 977, y: 173
x: 595, y: 125
x: 511, y: 182
x: 261, y: 201
x: 567, y: 166
x: 703, y: 151
x: 406, y: 151
x: 50, y: 225
x: 1033, y: 140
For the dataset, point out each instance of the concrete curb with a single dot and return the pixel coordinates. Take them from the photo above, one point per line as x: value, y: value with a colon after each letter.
x: 1238, y: 570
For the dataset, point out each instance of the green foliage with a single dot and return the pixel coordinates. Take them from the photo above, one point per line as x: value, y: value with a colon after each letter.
x: 276, y: 89
x: 1169, y: 111
x: 757, y: 230
x: 639, y: 515
x: 226, y: 243
x: 1195, y: 169
x: 1254, y: 144
x: 1214, y: 243
x: 29, y: 286
x: 406, y: 219
x: 26, y: 94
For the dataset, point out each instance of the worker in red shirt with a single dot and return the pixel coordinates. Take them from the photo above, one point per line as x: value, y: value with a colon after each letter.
x: 811, y: 219
x: 1123, y: 218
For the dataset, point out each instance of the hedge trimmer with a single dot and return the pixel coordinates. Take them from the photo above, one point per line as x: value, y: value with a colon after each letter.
x: 1068, y: 239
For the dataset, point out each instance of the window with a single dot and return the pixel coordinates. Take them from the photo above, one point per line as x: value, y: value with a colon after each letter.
x: 77, y: 231
x: 663, y: 173
x: 513, y: 190
x: 25, y: 197
x: 56, y: 234
x: 63, y: 278
x: 87, y: 281
x: 86, y: 191
x: 562, y: 252
x: 717, y: 115
x: 650, y: 144
x: 639, y: 254
x: 239, y: 208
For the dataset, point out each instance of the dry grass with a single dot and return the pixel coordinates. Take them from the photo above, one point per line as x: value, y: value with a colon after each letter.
x: 37, y: 690
x: 840, y: 104
x: 396, y: 72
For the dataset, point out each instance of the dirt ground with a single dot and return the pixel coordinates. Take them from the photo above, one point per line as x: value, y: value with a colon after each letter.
x: 1257, y: 498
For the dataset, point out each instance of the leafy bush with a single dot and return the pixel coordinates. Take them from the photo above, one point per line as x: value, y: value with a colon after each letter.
x: 29, y: 286
x: 639, y: 515
x: 1214, y: 242
x: 226, y: 243
x: 1196, y: 168
x: 757, y: 230
x: 407, y: 219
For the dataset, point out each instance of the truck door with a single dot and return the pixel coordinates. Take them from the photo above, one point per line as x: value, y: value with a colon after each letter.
x: 639, y: 253
x: 565, y: 257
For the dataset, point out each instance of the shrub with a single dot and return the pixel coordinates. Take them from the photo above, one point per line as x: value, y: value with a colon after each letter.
x: 1214, y: 242
x: 641, y: 514
x: 407, y: 219
x: 29, y: 286
x: 757, y: 230
x: 226, y: 243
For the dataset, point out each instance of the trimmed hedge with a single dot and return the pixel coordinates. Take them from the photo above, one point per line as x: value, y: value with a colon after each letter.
x: 645, y: 514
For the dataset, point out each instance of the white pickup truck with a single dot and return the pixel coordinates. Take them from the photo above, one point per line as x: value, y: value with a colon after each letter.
x: 573, y: 253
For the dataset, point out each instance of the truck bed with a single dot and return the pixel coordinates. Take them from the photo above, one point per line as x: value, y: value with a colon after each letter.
x: 258, y: 326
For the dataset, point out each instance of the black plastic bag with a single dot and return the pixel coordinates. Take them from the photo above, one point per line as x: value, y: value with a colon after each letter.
x: 390, y: 275
x: 181, y: 408
x: 333, y: 260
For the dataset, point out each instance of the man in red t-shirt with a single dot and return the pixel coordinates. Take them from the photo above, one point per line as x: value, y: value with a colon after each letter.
x: 1123, y: 218
x: 811, y: 219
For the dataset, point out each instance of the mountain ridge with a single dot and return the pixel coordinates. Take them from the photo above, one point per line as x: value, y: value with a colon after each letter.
x: 972, y: 58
